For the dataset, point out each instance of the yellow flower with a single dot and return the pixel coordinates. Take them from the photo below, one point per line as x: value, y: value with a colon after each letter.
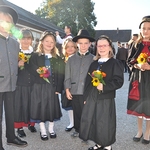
x: 21, y: 55
x: 95, y: 81
x: 97, y: 72
x: 142, y: 58
x: 97, y: 78
x: 24, y: 58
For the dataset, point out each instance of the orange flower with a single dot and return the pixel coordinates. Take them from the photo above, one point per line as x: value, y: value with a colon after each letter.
x: 103, y: 74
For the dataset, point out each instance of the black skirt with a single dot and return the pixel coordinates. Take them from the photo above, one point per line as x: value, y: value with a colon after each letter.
x: 45, y: 104
x: 65, y: 103
x: 140, y: 107
x: 22, y: 104
x: 98, y: 120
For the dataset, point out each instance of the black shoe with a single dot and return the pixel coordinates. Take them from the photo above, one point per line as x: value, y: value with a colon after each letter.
x: 137, y: 139
x: 21, y: 132
x: 43, y: 137
x: 145, y: 141
x: 32, y: 128
x: 96, y: 147
x: 107, y: 149
x: 68, y: 129
x: 53, y: 135
x: 17, y: 142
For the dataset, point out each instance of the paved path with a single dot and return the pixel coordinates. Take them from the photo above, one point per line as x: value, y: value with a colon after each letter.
x: 126, y: 129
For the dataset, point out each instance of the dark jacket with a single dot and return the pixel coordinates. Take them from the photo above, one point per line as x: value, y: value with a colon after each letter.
x: 114, y: 78
x: 57, y: 70
x: 25, y: 78
x: 133, y: 55
x: 122, y: 54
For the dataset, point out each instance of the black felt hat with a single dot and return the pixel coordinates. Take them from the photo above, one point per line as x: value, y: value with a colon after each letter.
x: 144, y: 19
x: 83, y: 34
x: 11, y: 11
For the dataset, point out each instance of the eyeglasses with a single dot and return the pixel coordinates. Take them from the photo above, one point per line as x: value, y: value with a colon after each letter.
x: 102, y: 46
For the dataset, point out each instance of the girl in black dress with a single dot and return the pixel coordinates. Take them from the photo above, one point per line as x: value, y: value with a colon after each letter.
x: 140, y: 71
x: 24, y: 86
x: 98, y: 121
x: 69, y: 49
x: 44, y: 97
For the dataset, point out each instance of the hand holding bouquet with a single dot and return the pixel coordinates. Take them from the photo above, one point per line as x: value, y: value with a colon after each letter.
x: 142, y: 59
x: 97, y: 77
x: 24, y: 58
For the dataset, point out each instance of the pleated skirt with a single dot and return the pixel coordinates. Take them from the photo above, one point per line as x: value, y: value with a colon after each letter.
x: 98, y: 121
x: 45, y: 104
x: 22, y: 104
x: 140, y: 107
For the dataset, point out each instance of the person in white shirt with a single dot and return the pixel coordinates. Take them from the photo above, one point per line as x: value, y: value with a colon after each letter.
x: 67, y: 31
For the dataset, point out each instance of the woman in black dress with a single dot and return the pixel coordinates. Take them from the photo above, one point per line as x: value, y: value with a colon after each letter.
x: 98, y: 121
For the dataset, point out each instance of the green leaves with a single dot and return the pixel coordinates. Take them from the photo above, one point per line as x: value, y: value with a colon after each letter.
x: 75, y: 13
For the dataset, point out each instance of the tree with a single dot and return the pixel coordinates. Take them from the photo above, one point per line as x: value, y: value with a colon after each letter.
x: 76, y: 13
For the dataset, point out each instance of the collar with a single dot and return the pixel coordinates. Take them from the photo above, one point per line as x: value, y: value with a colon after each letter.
x: 84, y: 54
x: 28, y: 51
x: 67, y: 35
x: 48, y: 55
x: 102, y: 60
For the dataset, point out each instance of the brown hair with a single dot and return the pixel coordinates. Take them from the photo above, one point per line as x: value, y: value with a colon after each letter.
x: 104, y: 37
x: 27, y: 33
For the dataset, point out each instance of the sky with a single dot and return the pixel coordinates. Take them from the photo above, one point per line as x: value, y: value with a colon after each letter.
x: 111, y: 14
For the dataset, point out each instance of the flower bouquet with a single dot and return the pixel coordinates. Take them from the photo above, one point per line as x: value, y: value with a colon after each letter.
x: 44, y: 73
x: 143, y: 58
x: 97, y: 77
x: 24, y: 58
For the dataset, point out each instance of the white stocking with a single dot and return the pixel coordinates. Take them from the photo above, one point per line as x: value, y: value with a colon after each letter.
x: 71, y: 119
x: 42, y: 128
x: 51, y: 127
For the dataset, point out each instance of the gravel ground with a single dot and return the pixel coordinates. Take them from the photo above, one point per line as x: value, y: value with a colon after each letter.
x: 126, y: 129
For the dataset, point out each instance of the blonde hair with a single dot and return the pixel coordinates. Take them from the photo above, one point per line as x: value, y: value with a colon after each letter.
x: 103, y: 37
x: 54, y: 51
x: 140, y: 37
x: 64, y: 46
